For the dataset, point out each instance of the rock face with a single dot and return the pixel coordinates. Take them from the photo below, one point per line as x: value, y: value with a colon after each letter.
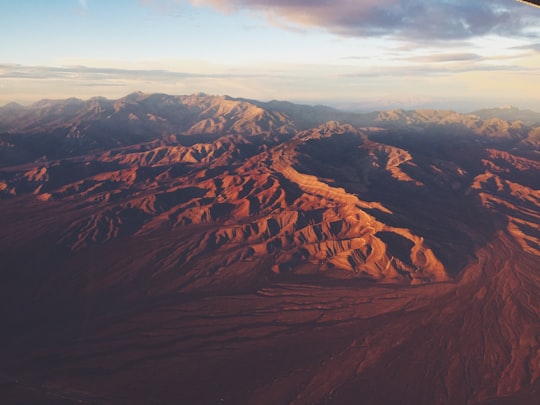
x: 179, y: 233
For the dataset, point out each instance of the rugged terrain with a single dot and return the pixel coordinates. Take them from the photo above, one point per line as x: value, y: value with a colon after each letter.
x: 204, y: 249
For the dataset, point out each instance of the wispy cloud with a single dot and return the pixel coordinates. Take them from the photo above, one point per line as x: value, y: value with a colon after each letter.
x: 446, y: 57
x: 14, y: 71
x: 29, y: 83
x: 422, y: 71
x: 535, y: 47
x: 420, y: 19
x: 442, y: 64
x: 83, y: 3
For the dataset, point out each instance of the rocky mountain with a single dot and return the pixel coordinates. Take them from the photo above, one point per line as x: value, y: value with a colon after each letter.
x: 510, y: 113
x: 205, y: 249
x: 55, y: 129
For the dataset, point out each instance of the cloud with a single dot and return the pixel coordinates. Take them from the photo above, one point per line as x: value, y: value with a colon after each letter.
x: 14, y: 71
x: 83, y: 3
x: 423, y: 71
x: 28, y: 83
x: 535, y: 47
x: 415, y: 19
x: 446, y: 57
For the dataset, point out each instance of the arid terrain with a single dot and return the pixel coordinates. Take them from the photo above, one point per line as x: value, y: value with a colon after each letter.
x: 212, y: 250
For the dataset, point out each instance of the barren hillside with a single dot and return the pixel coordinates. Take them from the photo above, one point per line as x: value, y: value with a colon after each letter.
x: 205, y: 249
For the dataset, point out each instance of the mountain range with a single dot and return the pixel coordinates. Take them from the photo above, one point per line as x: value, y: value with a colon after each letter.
x: 210, y: 249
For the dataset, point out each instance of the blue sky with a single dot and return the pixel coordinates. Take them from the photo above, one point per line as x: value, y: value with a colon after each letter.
x: 354, y: 54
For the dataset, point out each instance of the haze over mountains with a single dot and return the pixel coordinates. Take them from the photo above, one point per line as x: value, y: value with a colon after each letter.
x: 208, y: 249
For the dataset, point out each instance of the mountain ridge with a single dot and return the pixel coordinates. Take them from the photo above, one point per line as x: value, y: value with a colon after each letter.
x: 80, y: 126
x: 226, y: 248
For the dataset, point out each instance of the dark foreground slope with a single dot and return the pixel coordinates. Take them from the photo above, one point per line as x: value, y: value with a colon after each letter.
x: 263, y: 262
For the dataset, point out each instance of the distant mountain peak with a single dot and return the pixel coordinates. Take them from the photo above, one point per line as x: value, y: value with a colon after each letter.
x: 510, y: 113
x: 135, y: 96
x: 12, y: 105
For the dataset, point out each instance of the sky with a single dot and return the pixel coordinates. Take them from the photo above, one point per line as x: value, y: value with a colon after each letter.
x: 353, y: 54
